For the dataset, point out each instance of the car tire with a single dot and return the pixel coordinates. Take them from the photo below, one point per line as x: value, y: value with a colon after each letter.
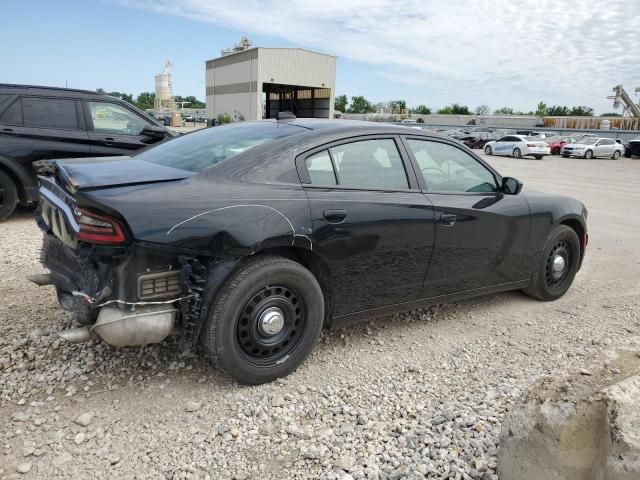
x: 8, y: 196
x: 487, y: 150
x: 240, y: 338
x: 616, y: 155
x: 565, y: 156
x: 627, y: 155
x: 547, y: 282
x: 538, y: 157
x: 588, y: 154
x: 555, y: 151
x: 517, y: 153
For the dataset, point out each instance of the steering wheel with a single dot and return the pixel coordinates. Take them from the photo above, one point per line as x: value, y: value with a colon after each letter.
x: 439, y: 170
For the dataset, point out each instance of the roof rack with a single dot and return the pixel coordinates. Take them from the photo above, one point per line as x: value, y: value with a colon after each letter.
x: 14, y: 85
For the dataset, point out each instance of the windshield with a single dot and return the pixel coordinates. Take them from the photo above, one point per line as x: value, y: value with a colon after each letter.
x: 200, y: 150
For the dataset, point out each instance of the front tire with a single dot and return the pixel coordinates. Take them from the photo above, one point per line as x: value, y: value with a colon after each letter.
x: 558, y: 266
x: 517, y: 153
x: 265, y: 320
x: 538, y: 157
x: 588, y: 154
x: 8, y: 196
x: 487, y: 150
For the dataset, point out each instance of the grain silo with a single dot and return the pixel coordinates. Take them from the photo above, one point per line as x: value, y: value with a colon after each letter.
x: 164, y: 99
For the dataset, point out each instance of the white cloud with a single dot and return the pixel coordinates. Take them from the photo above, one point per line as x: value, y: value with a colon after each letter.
x: 500, y: 52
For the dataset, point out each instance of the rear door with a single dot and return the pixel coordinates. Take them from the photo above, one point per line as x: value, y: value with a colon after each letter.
x: 504, y: 146
x: 114, y: 129
x: 39, y: 128
x: 371, y: 224
x: 481, y: 233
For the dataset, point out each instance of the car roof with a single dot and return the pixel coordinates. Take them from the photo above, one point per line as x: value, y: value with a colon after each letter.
x: 14, y: 89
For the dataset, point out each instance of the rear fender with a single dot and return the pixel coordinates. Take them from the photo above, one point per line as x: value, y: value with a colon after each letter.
x: 26, y: 181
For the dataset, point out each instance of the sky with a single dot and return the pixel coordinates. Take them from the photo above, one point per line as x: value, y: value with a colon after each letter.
x: 498, y: 53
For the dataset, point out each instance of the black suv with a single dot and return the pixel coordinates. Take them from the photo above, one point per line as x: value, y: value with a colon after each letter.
x: 40, y: 123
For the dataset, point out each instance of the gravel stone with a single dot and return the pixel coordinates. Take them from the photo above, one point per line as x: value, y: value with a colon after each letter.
x: 24, y: 467
x: 84, y: 419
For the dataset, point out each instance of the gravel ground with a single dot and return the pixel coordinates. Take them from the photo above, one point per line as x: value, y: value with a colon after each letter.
x: 415, y: 395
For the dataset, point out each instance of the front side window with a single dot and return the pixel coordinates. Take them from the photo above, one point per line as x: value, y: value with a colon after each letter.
x: 114, y: 118
x: 446, y: 168
x: 49, y: 113
x: 370, y: 164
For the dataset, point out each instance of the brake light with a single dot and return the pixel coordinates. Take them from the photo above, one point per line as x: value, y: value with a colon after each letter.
x: 533, y: 144
x: 100, y: 229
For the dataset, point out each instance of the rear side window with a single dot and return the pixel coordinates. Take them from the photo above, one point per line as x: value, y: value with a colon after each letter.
x: 320, y: 169
x: 10, y: 110
x: 50, y: 113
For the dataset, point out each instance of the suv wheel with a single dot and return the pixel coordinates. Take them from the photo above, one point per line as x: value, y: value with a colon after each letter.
x: 265, y: 320
x: 8, y: 196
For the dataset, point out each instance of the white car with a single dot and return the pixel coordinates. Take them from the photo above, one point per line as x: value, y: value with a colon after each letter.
x: 592, y: 147
x: 518, y: 146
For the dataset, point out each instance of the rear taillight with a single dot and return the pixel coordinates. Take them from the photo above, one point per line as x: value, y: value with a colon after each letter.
x: 532, y: 145
x: 100, y: 229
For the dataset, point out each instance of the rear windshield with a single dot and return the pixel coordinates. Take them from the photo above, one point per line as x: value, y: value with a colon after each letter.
x: 200, y: 150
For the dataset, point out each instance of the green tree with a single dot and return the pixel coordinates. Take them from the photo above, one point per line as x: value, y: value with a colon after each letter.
x: 483, y: 110
x: 145, y: 100
x: 340, y: 103
x: 611, y: 114
x: 542, y: 109
x: 100, y: 91
x: 224, y: 118
x: 398, y: 106
x: 455, y: 109
x: 581, y: 111
x: 360, y: 104
x: 558, y: 111
x: 422, y: 110
x: 503, y: 111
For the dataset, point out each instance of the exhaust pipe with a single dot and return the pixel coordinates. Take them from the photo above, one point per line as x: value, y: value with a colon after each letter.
x: 76, y: 335
x: 40, y: 279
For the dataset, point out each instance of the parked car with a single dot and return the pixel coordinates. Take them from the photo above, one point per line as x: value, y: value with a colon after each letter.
x: 39, y: 123
x: 593, y: 147
x: 632, y: 148
x: 249, y: 238
x: 543, y: 135
x: 518, y: 146
x: 556, y: 143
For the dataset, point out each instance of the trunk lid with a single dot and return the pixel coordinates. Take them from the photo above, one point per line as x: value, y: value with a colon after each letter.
x: 109, y: 172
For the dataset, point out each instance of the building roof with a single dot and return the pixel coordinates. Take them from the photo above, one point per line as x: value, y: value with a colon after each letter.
x: 272, y: 48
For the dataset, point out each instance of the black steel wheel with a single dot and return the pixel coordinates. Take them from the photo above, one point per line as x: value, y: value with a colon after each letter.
x: 558, y: 266
x: 8, y: 196
x: 265, y: 320
x: 517, y: 153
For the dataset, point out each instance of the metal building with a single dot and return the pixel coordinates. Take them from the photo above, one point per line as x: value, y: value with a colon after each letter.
x: 255, y: 83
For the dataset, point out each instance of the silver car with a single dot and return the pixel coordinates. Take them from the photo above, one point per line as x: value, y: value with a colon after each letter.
x: 592, y: 147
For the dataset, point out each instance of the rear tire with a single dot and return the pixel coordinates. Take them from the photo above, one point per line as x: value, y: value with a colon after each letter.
x: 487, y: 150
x: 8, y: 196
x: 565, y: 156
x: 240, y: 337
x: 616, y: 155
x: 588, y: 154
x: 547, y: 281
x: 538, y: 157
x: 517, y: 153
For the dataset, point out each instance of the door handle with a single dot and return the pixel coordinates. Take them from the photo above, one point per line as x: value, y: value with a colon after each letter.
x: 335, y: 216
x: 448, y: 220
x: 7, y: 129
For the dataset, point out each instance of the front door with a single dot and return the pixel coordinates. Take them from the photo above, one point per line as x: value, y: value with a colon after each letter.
x: 114, y: 129
x: 481, y: 233
x: 372, y: 226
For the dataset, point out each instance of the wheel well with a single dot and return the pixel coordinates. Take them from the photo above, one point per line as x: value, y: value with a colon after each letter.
x: 314, y: 263
x: 579, y: 229
x: 22, y: 196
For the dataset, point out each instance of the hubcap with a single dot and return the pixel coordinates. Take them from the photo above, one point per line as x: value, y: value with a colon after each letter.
x: 271, y: 325
x: 271, y: 321
x: 558, y: 263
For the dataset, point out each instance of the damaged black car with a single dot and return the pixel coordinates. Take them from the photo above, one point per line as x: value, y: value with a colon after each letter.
x: 248, y: 239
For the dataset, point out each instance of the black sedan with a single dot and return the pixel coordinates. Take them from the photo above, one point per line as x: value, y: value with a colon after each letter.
x: 252, y: 237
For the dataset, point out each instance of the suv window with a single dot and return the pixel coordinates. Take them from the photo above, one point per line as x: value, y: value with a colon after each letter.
x: 446, y: 168
x: 113, y: 118
x: 320, y: 169
x: 369, y: 164
x: 49, y: 113
x: 10, y: 110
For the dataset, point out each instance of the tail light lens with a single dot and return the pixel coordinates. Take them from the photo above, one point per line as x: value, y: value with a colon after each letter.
x: 99, y: 229
x: 531, y: 145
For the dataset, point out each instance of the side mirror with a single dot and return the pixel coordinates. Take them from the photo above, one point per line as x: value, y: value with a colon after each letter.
x: 153, y: 131
x: 511, y: 186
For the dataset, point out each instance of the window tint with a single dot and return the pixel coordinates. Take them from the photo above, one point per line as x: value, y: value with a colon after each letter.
x: 370, y: 164
x: 449, y: 169
x: 211, y: 146
x: 50, y: 113
x: 10, y: 110
x: 114, y: 118
x: 320, y: 169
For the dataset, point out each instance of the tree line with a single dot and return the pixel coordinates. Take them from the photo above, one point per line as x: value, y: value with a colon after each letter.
x: 145, y: 100
x: 359, y: 104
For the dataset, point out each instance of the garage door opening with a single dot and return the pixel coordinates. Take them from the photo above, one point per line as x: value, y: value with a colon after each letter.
x: 303, y: 102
